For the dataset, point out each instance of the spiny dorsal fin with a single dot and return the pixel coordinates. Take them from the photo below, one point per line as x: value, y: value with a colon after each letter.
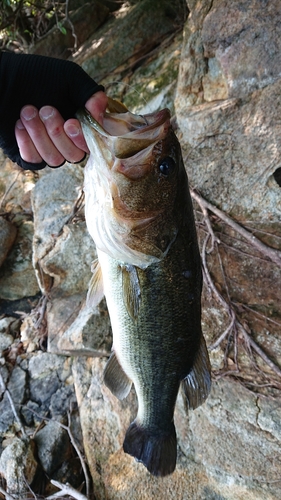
x: 131, y: 290
x: 114, y: 106
x: 116, y: 379
x: 95, y: 289
x: 197, y: 384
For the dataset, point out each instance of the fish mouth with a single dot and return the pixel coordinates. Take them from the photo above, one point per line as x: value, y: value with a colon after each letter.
x: 126, y: 134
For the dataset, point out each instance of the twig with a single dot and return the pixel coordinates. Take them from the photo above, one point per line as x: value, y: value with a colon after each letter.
x: 66, y: 489
x: 9, y: 189
x: 225, y: 333
x: 208, y: 224
x: 67, y: 18
x: 271, y: 253
x: 259, y: 351
x: 5, y: 390
x: 263, y: 316
x: 234, y: 321
x: 6, y: 495
x: 74, y: 444
x: 41, y: 310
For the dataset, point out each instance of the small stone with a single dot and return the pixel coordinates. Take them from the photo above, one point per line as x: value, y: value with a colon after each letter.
x: 18, y: 466
x: 29, y: 334
x: 16, y: 387
x: 54, y: 446
x: 30, y: 413
x: 62, y: 400
x: 5, y: 341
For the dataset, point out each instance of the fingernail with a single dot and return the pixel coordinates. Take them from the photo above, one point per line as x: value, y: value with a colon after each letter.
x: 28, y: 113
x: 19, y: 125
x: 46, y: 112
x: 72, y: 130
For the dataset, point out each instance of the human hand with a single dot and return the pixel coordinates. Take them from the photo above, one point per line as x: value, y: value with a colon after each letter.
x: 43, y: 135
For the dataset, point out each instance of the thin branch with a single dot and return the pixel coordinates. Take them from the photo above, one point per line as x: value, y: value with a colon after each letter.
x: 66, y: 489
x: 75, y: 446
x: 234, y: 321
x: 67, y: 18
x: 259, y: 351
x: 9, y: 189
x: 257, y: 313
x: 6, y: 495
x: 67, y: 428
x: 5, y: 390
x: 41, y: 310
x: 225, y: 333
x: 271, y: 253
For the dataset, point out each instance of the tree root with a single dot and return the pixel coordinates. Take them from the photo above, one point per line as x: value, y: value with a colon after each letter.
x: 211, y: 243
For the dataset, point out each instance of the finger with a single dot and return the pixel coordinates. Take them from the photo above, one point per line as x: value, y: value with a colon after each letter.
x: 73, y: 130
x: 40, y: 137
x: 54, y: 124
x: 96, y: 105
x: 27, y: 149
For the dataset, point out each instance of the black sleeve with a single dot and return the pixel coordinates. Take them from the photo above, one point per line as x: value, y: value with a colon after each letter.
x: 38, y: 80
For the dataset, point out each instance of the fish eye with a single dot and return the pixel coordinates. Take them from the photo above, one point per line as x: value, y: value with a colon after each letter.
x: 167, y: 166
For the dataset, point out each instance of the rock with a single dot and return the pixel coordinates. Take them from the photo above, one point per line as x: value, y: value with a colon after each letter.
x: 53, y: 202
x: 145, y: 94
x: 63, y: 255
x: 47, y: 375
x: 30, y: 413
x: 16, y: 186
x: 81, y: 331
x: 7, y: 237
x: 69, y: 261
x: 18, y: 466
x: 30, y: 337
x: 210, y: 463
x: 17, y: 277
x: 53, y: 446
x: 60, y: 42
x: 16, y: 386
x: 228, y: 143
x: 246, y: 46
x: 6, y: 325
x: 134, y: 36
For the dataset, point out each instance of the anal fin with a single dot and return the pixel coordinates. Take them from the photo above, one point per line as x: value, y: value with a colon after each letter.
x: 196, y: 385
x: 116, y: 379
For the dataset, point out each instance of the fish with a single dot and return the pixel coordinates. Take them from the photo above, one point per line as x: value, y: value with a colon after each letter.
x: 139, y: 213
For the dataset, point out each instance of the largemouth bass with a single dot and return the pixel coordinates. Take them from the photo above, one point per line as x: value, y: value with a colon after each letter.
x: 140, y: 215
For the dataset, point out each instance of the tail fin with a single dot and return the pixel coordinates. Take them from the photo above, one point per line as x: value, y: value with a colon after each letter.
x: 158, y: 452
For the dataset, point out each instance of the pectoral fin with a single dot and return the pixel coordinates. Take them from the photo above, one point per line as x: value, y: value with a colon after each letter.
x: 131, y: 290
x: 116, y: 379
x: 197, y: 384
x: 95, y: 289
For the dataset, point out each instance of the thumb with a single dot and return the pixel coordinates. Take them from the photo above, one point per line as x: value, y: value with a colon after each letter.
x: 96, y: 105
